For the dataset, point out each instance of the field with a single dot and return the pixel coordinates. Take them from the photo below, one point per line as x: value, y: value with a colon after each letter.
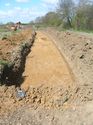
x: 55, y: 74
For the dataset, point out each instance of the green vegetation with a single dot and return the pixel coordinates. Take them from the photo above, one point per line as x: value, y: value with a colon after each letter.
x: 23, y: 45
x: 6, y: 63
x: 3, y: 28
x: 4, y: 32
x: 3, y: 62
x: 69, y: 15
x: 5, y: 35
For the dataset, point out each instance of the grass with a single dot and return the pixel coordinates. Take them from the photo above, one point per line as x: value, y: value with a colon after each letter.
x: 60, y: 28
x: 23, y: 45
x: 81, y: 30
x: 6, y: 32
x: 6, y: 63
x: 3, y: 30
x: 3, y: 62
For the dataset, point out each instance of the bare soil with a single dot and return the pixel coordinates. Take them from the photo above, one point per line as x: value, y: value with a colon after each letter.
x: 46, y: 74
x: 57, y: 80
x: 8, y: 43
x: 45, y: 65
x: 77, y: 48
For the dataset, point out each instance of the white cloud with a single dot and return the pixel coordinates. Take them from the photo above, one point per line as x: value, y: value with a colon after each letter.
x: 7, y: 4
x: 49, y: 4
x: 27, y: 14
x: 18, y: 14
x: 50, y: 1
x: 22, y: 1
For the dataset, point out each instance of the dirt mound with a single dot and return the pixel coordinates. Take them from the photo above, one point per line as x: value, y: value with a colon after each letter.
x: 77, y: 48
x: 8, y: 43
x: 47, y: 105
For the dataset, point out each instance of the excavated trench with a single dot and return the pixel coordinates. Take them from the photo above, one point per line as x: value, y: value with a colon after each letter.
x: 48, y: 81
x: 45, y: 63
x: 11, y: 72
x: 52, y: 94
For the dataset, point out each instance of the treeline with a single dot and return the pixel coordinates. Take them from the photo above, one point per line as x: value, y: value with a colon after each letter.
x: 70, y: 14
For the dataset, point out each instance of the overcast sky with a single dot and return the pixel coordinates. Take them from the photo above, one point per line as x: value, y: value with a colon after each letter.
x: 24, y: 10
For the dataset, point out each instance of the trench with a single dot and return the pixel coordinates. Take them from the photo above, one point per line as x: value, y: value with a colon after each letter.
x: 45, y: 65
x: 11, y: 73
x: 45, y: 78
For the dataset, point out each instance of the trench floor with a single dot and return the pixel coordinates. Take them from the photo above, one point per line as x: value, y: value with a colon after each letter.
x: 45, y: 65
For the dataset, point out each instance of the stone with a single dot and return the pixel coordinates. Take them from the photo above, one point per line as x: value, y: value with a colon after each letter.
x: 82, y: 57
x: 20, y: 94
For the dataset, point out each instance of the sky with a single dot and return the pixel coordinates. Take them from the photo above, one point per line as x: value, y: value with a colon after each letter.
x: 24, y: 10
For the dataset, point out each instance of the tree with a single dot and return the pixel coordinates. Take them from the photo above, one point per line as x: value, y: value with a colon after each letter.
x: 84, y: 15
x: 66, y: 11
x: 39, y: 20
x: 52, y: 18
x: 10, y: 23
x: 83, y: 3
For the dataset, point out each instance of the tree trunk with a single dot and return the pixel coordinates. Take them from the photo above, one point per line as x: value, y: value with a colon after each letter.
x: 69, y: 22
